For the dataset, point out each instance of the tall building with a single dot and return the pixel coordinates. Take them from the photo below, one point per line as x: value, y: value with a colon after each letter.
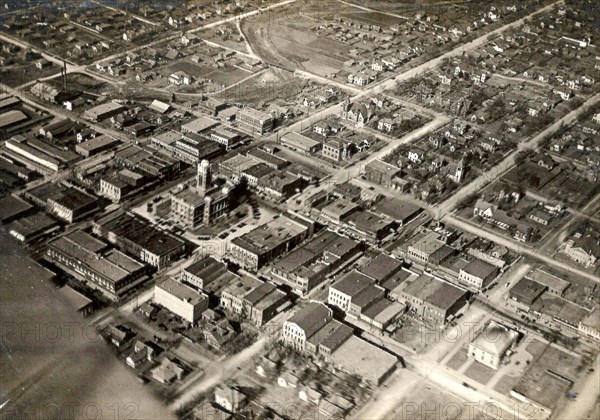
x: 193, y: 206
x: 203, y: 179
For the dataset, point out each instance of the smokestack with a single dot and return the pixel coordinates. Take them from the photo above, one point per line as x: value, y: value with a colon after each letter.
x: 64, y: 75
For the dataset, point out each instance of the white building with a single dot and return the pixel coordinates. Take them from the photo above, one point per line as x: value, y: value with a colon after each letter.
x: 180, y: 299
x: 490, y: 346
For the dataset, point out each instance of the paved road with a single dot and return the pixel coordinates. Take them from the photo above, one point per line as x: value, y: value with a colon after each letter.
x: 498, y: 170
x: 518, y: 247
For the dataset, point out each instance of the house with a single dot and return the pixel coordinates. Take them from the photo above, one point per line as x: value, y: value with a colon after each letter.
x: 148, y: 310
x: 189, y: 39
x: 386, y: 124
x: 267, y: 365
x: 43, y: 64
x: 584, y: 247
x: 545, y: 161
x: 230, y: 398
x: 120, y: 335
x: 541, y: 216
x: 142, y: 352
x: 322, y: 128
x: 172, y: 54
x: 359, y: 113
x: 378, y: 65
x: 415, y: 156
x: 180, y: 78
x: 136, y: 359
x: 288, y: 380
x: 490, y: 213
x: 168, y: 371
x: 310, y: 395
x: 218, y: 334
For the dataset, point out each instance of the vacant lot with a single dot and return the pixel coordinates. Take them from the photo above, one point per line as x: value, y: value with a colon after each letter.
x: 287, y: 39
x: 273, y: 86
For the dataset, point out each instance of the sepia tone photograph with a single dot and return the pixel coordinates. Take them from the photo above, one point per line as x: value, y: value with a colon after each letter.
x: 299, y: 209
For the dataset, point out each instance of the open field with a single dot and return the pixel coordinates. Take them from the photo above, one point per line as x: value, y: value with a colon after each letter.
x: 274, y: 86
x: 286, y: 39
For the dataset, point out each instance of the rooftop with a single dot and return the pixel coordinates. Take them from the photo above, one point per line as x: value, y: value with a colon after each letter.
x: 199, y: 125
x: 352, y: 283
x: 300, y: 141
x: 381, y: 267
x: 11, y: 206
x: 435, y: 292
x: 30, y: 225
x: 270, y: 235
x: 550, y: 280
x: 364, y: 359
x: 97, y: 142
x: 480, y: 268
x: 12, y: 117
x: 384, y: 310
x: 74, y: 298
x: 181, y: 291
x: 495, y: 339
x: 69, y: 197
x: 527, y: 289
x: 311, y: 318
x: 113, y: 265
x: 340, y: 208
x: 142, y: 233
x: 397, y: 209
x: 253, y: 113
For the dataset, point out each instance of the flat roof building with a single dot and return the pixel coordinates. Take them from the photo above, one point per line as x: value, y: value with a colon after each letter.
x: 253, y: 120
x: 338, y: 210
x: 398, y: 210
x: 203, y: 272
x: 199, y: 125
x: 139, y: 238
x: 490, y: 346
x: 343, y: 292
x: 304, y: 324
x: 358, y: 357
x: 96, y: 145
x: 104, y: 111
x: 12, y: 208
x: 381, y: 268
x: 478, y: 274
x: 97, y: 264
x: 181, y: 300
x: 67, y: 203
x: 525, y: 293
x: 31, y: 228
x: 300, y: 142
x: 307, y: 266
x: 434, y: 300
x: 266, y: 242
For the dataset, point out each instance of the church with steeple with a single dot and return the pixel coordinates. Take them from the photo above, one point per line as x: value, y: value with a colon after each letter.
x: 456, y: 172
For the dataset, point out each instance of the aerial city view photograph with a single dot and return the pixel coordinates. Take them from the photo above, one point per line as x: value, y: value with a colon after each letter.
x: 300, y: 209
